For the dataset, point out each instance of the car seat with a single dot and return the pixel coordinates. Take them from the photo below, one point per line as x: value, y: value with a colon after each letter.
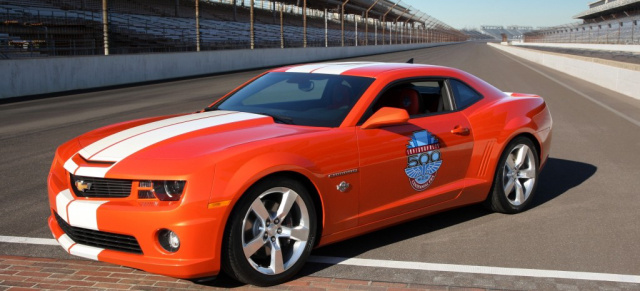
x: 403, y: 98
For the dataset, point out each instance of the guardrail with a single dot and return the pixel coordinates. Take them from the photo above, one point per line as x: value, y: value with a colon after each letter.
x: 26, y: 77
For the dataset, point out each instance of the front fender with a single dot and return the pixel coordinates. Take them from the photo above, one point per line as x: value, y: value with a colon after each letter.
x: 233, y: 178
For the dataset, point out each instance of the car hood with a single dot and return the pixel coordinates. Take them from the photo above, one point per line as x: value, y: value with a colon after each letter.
x: 181, y: 137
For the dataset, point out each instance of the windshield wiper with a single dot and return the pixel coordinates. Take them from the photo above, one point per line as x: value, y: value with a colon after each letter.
x: 278, y: 118
x: 207, y: 109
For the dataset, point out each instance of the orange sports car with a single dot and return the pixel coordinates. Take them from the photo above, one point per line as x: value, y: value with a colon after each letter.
x: 296, y: 158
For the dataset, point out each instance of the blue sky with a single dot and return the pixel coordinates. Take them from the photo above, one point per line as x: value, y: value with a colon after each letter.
x: 473, y: 13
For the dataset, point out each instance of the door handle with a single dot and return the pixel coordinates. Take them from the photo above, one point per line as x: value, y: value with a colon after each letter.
x: 459, y: 130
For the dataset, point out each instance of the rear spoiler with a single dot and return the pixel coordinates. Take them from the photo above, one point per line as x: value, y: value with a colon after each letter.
x: 521, y: 94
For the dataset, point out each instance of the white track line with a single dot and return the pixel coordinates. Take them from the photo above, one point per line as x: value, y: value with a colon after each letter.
x: 476, y: 269
x: 418, y: 266
x: 28, y: 240
x: 594, y: 100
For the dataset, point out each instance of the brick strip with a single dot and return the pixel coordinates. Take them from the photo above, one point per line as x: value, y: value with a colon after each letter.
x: 31, y: 273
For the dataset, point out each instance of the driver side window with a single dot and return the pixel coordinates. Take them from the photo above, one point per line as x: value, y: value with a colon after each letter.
x: 419, y: 98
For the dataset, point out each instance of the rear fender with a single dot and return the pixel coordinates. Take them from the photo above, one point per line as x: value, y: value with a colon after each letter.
x: 524, y: 123
x: 522, y: 117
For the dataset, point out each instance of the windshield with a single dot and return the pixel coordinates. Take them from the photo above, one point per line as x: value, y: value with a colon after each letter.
x: 299, y: 98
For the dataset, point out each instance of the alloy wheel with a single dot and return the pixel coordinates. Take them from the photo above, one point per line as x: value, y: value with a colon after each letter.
x: 519, y: 174
x: 275, y: 230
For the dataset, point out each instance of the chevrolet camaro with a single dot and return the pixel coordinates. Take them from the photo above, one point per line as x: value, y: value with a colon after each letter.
x: 296, y: 158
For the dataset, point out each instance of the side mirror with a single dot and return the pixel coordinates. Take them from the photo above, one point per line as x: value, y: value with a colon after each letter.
x: 386, y: 116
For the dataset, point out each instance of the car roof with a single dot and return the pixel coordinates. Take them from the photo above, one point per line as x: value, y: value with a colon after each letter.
x: 361, y: 69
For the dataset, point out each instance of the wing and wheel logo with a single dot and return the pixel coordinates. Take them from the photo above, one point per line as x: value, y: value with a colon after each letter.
x: 423, y: 159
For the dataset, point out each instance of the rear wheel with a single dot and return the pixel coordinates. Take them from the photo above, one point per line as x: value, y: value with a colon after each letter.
x: 271, y: 233
x: 516, y: 177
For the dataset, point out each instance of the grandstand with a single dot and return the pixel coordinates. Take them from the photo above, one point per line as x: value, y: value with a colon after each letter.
x: 605, y: 22
x: 474, y: 34
x: 512, y: 32
x: 41, y: 28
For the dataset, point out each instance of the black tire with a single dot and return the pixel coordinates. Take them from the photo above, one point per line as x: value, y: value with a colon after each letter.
x: 502, y: 202
x: 245, y: 227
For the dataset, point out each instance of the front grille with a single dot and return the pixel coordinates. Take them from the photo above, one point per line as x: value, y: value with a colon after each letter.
x: 101, y: 187
x: 100, y: 239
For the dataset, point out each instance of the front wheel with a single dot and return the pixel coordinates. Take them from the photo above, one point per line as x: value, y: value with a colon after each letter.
x: 516, y: 177
x: 271, y: 233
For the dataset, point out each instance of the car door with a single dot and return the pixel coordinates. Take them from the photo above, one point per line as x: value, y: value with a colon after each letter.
x: 410, y: 166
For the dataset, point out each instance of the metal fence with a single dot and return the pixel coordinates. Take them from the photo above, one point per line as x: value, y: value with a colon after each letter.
x: 46, y: 28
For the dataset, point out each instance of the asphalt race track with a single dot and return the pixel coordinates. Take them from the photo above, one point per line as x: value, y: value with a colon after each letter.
x: 586, y: 215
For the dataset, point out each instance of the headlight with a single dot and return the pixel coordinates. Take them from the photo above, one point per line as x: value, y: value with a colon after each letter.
x: 163, y: 190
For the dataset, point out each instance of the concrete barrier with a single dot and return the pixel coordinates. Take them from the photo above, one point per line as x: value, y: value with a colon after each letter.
x: 631, y: 48
x: 25, y: 77
x: 621, y: 77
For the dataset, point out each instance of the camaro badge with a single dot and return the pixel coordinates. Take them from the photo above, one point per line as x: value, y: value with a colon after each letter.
x: 423, y: 159
x: 83, y: 186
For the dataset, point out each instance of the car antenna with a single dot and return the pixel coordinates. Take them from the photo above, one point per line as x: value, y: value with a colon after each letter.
x: 410, y: 61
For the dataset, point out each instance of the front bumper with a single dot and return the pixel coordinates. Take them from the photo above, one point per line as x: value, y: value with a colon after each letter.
x: 197, y: 226
x: 169, y: 265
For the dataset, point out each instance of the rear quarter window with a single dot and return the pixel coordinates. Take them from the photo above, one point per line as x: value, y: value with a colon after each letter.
x: 463, y: 94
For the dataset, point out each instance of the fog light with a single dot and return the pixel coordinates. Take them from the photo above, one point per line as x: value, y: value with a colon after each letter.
x: 169, y: 240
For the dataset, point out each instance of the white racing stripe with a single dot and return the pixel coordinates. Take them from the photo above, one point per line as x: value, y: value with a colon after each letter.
x: 65, y: 242
x: 118, y: 146
x: 79, y: 250
x: 78, y: 213
x: 330, y: 68
x: 99, y: 145
x: 99, y: 172
x: 341, y: 68
x: 307, y: 68
x: 476, y: 269
x: 70, y: 166
x: 84, y: 251
x: 126, y: 147
x: 84, y: 213
x: 62, y: 200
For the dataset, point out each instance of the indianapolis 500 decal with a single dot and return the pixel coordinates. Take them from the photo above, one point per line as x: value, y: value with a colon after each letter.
x: 423, y: 159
